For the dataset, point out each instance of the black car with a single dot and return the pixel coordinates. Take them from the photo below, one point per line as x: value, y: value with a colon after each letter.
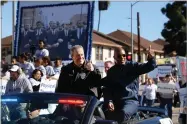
x: 52, y: 108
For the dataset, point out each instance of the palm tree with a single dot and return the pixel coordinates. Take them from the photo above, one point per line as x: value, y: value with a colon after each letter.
x: 103, y: 5
x: 3, y: 2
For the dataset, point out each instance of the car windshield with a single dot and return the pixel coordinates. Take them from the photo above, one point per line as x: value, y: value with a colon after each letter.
x: 64, y: 109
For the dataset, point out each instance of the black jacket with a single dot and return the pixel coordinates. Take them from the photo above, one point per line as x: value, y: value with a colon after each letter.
x: 77, y: 80
x: 122, y: 80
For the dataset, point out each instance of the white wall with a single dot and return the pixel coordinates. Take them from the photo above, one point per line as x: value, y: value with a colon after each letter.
x: 93, y: 54
x: 135, y: 57
x: 100, y: 63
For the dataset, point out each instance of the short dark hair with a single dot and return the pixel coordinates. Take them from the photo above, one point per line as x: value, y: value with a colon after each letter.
x: 58, y: 58
x: 14, y: 57
x: 47, y: 59
x: 41, y: 41
x: 23, y: 55
x: 168, y: 76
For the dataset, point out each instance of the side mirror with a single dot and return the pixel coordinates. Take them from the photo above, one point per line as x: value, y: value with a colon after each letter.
x: 105, y: 122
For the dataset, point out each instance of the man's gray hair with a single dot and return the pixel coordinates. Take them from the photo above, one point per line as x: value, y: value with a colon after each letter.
x: 75, y: 48
x: 109, y: 61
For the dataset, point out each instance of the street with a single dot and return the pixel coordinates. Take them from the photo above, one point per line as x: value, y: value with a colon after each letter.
x: 175, y: 115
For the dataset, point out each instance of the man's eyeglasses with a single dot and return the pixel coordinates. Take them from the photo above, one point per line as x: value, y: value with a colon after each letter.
x: 122, y: 55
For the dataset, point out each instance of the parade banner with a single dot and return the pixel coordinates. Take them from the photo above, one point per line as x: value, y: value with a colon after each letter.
x: 3, y: 85
x: 182, y: 67
x: 60, y: 24
x: 48, y: 86
x: 183, y: 100
x: 165, y: 87
x: 164, y: 70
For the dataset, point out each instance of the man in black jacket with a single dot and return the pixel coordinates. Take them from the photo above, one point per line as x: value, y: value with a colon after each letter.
x: 123, y: 84
x: 79, y: 76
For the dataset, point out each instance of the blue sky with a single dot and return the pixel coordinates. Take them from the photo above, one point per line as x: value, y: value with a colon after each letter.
x: 116, y: 17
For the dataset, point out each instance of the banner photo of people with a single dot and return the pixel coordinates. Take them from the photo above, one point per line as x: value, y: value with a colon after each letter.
x: 61, y: 26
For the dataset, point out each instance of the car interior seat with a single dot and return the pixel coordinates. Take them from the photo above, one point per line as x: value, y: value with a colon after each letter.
x: 99, y: 112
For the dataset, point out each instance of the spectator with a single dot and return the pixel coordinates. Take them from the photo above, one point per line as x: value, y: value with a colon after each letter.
x: 18, y: 83
x: 39, y: 65
x: 14, y: 61
x: 58, y: 66
x: 3, y: 62
x: 122, y: 82
x: 146, y: 82
x: 166, y: 99
x: 108, y: 64
x: 150, y: 92
x: 26, y: 66
x: 41, y: 52
x: 4, y: 65
x: 49, y: 69
x: 106, y: 93
x: 179, y: 85
x: 79, y: 76
x: 5, y: 74
x: 176, y: 96
x: 142, y: 98
x: 36, y: 79
x: 19, y: 59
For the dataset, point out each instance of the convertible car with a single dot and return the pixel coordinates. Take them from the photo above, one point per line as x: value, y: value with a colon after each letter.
x: 51, y: 108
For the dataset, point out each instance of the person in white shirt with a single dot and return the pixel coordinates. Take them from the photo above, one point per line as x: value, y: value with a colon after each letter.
x: 39, y: 65
x: 150, y: 92
x: 49, y: 69
x: 36, y: 79
x: 26, y: 66
x: 58, y: 66
x: 41, y: 52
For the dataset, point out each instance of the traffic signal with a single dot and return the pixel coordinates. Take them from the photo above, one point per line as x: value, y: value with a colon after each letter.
x: 129, y: 57
x: 103, y: 5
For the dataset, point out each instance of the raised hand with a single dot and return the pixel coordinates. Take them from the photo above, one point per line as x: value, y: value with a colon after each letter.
x: 89, y: 66
x: 150, y: 53
x: 111, y: 106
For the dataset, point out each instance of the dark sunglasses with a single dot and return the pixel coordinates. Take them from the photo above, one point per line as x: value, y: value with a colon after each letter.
x: 122, y: 55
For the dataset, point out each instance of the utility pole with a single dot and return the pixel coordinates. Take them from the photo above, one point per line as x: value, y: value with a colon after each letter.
x: 132, y: 47
x: 13, y: 27
x: 138, y: 29
x: 132, y: 42
x: 99, y: 20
